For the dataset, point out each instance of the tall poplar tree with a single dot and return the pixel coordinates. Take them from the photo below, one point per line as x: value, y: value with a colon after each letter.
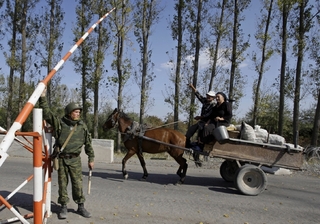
x: 28, y: 30
x: 239, y: 46
x: 146, y: 15
x: 263, y: 38
x: 196, y: 15
x: 315, y: 75
x: 83, y: 59
x: 120, y: 25
x: 99, y: 50
x: 284, y: 7
x: 219, y: 30
x: 12, y: 18
x: 2, y: 33
x: 178, y: 28
x: 303, y: 26
x: 50, y: 48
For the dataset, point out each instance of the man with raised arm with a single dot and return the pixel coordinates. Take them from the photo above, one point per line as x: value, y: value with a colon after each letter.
x: 207, y: 105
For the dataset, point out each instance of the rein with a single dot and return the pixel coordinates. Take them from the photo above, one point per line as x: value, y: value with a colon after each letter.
x: 165, y: 125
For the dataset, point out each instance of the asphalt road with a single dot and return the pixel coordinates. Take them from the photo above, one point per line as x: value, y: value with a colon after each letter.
x: 204, y: 197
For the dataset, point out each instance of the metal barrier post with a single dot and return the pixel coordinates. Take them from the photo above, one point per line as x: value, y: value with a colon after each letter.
x: 37, y: 167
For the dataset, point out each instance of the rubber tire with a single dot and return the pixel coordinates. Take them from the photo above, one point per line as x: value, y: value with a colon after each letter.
x: 228, y: 170
x: 250, y: 180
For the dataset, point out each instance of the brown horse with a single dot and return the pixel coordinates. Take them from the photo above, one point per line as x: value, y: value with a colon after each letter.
x: 149, y: 142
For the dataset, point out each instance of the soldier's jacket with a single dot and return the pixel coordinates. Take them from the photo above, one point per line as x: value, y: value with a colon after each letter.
x: 62, y: 128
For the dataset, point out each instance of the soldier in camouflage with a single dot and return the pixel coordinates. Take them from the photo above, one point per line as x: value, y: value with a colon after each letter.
x: 69, y: 158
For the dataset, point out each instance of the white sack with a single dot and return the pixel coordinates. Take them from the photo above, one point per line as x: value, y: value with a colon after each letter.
x: 276, y: 139
x: 261, y: 134
x: 247, y: 132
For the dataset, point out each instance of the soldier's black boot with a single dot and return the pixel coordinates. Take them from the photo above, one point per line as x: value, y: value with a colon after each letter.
x: 63, y: 212
x: 82, y: 211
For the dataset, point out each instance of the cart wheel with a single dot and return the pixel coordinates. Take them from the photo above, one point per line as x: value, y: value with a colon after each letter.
x: 228, y: 170
x: 250, y: 180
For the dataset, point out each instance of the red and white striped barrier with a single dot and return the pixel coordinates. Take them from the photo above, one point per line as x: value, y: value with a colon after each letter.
x: 38, y: 191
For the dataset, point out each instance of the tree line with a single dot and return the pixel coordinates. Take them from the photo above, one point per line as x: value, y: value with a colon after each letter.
x: 32, y: 30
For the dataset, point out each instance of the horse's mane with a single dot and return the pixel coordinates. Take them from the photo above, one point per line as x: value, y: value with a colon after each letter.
x: 125, y: 116
x: 129, y: 119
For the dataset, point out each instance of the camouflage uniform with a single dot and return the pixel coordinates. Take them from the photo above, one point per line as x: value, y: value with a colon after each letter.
x: 69, y: 166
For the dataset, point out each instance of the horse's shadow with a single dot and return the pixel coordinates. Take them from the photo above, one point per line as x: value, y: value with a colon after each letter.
x: 213, y: 183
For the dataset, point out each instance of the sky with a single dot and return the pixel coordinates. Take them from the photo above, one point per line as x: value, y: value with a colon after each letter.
x: 161, y: 42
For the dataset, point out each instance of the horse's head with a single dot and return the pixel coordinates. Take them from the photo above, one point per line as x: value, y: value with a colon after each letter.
x: 112, y: 120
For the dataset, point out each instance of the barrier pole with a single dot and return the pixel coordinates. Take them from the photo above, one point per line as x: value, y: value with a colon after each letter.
x: 37, y: 167
x: 18, y: 188
x: 10, y: 220
x: 26, y: 110
x: 47, y: 132
x: 10, y: 207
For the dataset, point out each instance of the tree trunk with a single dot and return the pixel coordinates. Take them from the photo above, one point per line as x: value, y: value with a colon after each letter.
x: 51, y: 47
x: 234, y: 49
x: 23, y: 54
x: 216, y: 50
x: 178, y: 67
x: 264, y: 58
x: 144, y: 60
x: 316, y: 123
x: 96, y: 81
x: 12, y: 65
x: 285, y: 13
x: 301, y: 46
x: 119, y: 61
x: 196, y: 59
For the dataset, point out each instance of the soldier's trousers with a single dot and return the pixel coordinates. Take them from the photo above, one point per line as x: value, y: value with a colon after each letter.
x: 70, y: 168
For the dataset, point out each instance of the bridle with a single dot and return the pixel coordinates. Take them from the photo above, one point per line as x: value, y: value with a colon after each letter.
x: 113, y: 120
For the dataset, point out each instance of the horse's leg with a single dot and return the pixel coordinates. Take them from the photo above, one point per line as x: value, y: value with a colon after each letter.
x: 179, y: 171
x: 183, y: 166
x: 184, y: 163
x: 129, y: 154
x: 143, y: 165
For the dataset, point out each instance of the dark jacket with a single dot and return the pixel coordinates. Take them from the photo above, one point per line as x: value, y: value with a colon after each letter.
x: 63, y: 127
x: 225, y: 111
x: 206, y: 106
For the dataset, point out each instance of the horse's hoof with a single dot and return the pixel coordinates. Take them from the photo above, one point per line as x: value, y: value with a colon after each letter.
x: 144, y: 178
x: 125, y: 176
x: 179, y: 182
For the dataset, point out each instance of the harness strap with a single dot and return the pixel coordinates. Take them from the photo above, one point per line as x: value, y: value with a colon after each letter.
x: 135, y: 130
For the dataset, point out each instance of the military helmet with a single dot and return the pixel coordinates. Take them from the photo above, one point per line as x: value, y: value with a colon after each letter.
x: 71, y: 107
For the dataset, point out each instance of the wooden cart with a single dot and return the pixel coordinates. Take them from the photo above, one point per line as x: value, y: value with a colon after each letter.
x: 243, y: 161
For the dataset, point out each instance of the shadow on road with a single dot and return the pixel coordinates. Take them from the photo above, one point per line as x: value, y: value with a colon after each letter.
x: 213, y: 183
x: 18, y: 201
